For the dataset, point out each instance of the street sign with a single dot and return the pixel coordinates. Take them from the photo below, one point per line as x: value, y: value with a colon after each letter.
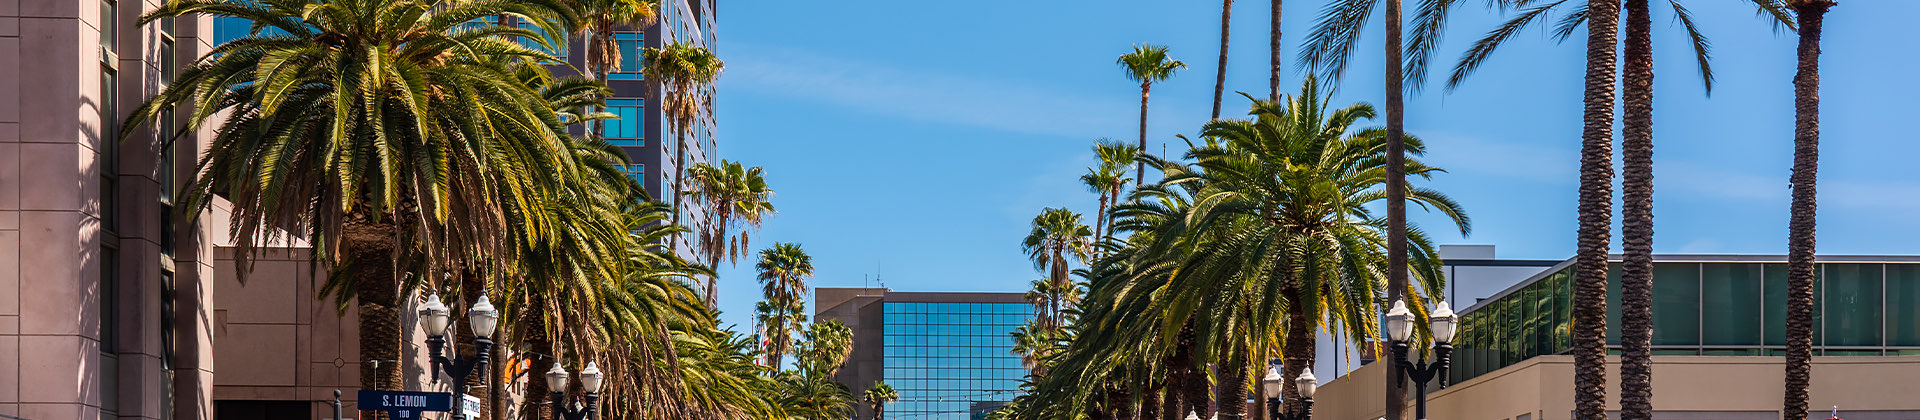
x: 405, y: 404
x: 469, y: 406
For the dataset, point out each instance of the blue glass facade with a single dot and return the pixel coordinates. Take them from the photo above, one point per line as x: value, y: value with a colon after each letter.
x: 947, y: 358
x: 630, y: 129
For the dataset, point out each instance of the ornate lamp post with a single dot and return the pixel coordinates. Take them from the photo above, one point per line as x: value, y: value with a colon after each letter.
x: 1306, y: 383
x: 589, y: 383
x: 482, y: 317
x: 1400, y: 326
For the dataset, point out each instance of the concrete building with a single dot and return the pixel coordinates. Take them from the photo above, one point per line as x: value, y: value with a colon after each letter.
x: 1717, y: 340
x: 949, y: 355
x: 112, y: 309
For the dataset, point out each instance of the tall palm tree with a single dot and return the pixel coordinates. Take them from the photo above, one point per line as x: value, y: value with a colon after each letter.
x: 784, y: 270
x: 734, y: 197
x: 1273, y: 58
x: 683, y: 73
x: 809, y: 392
x: 1220, y: 72
x: 1329, y: 48
x: 1147, y: 64
x: 1107, y: 177
x: 1811, y: 15
x: 383, y: 132
x: 1056, y: 236
x: 1596, y: 209
x: 598, y: 19
x: 877, y: 397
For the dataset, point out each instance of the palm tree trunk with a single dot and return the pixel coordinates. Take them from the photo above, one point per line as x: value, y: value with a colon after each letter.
x: 1800, y: 228
x: 540, y: 356
x: 1299, y: 355
x: 1596, y: 210
x: 471, y: 288
x: 1100, y: 221
x: 1149, y: 404
x: 781, y: 339
x: 1140, y: 171
x: 1233, y: 386
x: 1273, y: 44
x: 378, y: 293
x: 1220, y: 75
x: 1170, y: 408
x: 1636, y: 214
x: 1396, y: 193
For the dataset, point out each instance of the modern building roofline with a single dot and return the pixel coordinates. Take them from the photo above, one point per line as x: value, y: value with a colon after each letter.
x: 1693, y: 258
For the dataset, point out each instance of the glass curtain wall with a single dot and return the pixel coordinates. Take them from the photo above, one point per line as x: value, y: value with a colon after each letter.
x: 944, y: 357
x: 1705, y: 308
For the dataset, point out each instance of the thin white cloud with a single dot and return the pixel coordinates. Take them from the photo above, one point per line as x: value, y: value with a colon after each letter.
x: 923, y: 95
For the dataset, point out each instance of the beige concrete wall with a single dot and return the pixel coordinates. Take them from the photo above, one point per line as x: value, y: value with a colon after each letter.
x: 1541, y: 387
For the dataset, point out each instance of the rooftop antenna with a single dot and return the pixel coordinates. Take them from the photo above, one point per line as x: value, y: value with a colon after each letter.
x: 877, y: 278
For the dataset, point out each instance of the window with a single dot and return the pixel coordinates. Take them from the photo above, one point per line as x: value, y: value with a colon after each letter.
x: 1676, y: 304
x: 1903, y: 305
x: 106, y: 148
x: 637, y: 172
x: 629, y: 129
x: 1729, y: 294
x: 109, y: 27
x: 631, y: 43
x: 1852, y: 305
x: 559, y: 48
x: 1775, y: 292
x: 226, y: 28
x: 109, y: 333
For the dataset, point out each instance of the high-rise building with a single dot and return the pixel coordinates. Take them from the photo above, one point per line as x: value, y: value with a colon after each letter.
x: 113, y: 308
x: 949, y: 355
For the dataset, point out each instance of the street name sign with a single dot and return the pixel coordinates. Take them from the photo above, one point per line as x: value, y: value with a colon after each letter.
x: 405, y: 404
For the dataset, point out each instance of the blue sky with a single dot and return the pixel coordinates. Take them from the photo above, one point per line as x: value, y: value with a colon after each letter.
x: 914, y: 141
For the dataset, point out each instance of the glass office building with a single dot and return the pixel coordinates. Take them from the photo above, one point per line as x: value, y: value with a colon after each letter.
x: 945, y: 358
x: 949, y: 355
x: 1706, y: 305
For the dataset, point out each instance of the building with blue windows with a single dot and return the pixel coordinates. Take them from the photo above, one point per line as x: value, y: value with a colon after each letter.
x: 949, y: 355
x: 654, y: 151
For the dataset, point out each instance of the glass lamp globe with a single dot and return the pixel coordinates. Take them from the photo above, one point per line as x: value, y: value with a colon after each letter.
x: 590, y: 378
x: 1272, y: 381
x: 1399, y: 322
x: 1306, y: 383
x: 433, y: 316
x: 1442, y: 323
x: 483, y: 316
x: 557, y: 379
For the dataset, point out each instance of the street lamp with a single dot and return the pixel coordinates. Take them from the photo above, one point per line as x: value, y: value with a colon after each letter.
x: 482, y: 317
x: 1400, y: 326
x: 1305, y: 383
x: 557, y: 387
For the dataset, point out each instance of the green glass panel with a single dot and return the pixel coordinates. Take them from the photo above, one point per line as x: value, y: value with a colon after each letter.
x: 1543, y: 317
x: 1524, y: 301
x: 1563, y: 313
x: 1613, y: 304
x: 1903, y: 305
x: 1676, y: 304
x: 1730, y: 294
x: 1852, y: 305
x: 1774, y: 315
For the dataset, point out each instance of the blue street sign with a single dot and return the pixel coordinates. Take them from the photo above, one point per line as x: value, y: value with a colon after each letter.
x: 405, y: 404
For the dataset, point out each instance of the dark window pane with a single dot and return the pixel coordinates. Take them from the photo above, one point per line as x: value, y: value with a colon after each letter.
x: 1852, y: 304
x: 1676, y: 304
x: 1730, y: 295
x: 1903, y: 305
x: 1775, y: 313
x: 1613, y: 304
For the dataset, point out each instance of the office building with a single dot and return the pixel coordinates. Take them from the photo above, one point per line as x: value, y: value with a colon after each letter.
x: 112, y: 309
x: 1718, y: 336
x: 949, y: 355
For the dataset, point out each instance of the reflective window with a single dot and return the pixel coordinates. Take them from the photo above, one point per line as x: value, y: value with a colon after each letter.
x: 1676, y: 304
x: 629, y: 129
x: 1852, y: 305
x: 1729, y: 294
x: 942, y: 357
x: 1903, y: 305
x: 631, y: 43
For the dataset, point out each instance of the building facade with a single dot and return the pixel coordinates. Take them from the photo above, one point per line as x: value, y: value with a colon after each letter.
x: 949, y: 355
x: 112, y: 307
x: 1717, y: 340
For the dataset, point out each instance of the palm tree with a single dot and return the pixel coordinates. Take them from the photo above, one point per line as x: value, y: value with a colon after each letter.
x: 1107, y: 177
x: 877, y: 396
x: 1811, y: 15
x: 1220, y: 72
x: 1147, y: 64
x: 733, y: 196
x: 1298, y: 235
x: 598, y: 20
x: 784, y: 270
x: 683, y: 72
x: 809, y: 392
x: 358, y: 125
x: 1057, y: 235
